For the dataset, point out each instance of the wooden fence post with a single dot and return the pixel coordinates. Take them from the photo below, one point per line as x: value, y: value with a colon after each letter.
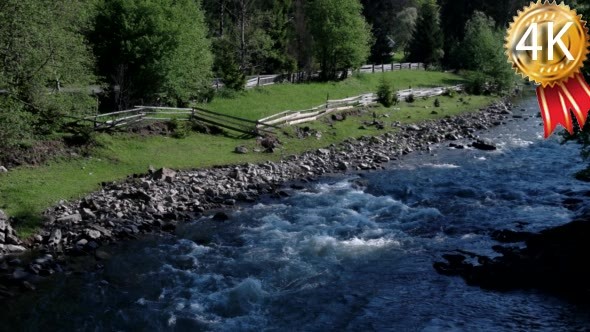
x: 258, y: 82
x: 373, y: 68
x: 382, y: 68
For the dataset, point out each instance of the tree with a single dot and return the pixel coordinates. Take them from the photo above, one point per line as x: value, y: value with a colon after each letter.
x: 45, y: 66
x: 152, y: 50
x: 341, y: 36
x: 405, y: 24
x: 383, y: 16
x: 427, y: 40
x: 483, y: 54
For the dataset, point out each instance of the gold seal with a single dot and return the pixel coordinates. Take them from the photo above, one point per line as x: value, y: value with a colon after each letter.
x: 547, y: 42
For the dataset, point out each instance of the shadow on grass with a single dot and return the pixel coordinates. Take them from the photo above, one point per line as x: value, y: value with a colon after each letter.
x: 26, y: 221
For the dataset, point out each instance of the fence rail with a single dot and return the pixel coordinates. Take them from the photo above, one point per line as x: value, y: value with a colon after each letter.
x: 264, y: 80
x: 139, y: 114
x: 288, y: 118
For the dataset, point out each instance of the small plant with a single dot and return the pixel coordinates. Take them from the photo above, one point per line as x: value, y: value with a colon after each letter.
x: 178, y: 128
x: 449, y: 93
x: 385, y: 94
x: 436, y: 103
x: 410, y: 98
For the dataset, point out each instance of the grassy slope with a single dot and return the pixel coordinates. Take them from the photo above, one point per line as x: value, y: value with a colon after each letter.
x: 25, y: 192
x: 258, y: 103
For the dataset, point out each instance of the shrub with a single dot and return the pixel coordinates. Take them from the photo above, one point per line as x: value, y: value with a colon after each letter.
x: 436, y: 103
x: 385, y: 93
x: 179, y: 129
x: 410, y: 98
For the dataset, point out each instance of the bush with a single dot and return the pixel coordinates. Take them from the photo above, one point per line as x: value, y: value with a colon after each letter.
x: 477, y: 83
x: 436, y: 103
x: 179, y: 129
x: 385, y: 93
x: 410, y: 98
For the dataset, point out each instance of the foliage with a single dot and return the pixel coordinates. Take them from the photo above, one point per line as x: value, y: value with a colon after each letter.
x: 482, y: 53
x: 436, y: 102
x: 386, y: 94
x: 227, y: 65
x: 410, y: 98
x: 406, y: 23
x: 152, y: 50
x: 427, y: 41
x: 43, y: 52
x: 341, y: 36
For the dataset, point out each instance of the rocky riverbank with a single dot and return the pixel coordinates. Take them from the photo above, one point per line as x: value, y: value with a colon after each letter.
x: 157, y: 201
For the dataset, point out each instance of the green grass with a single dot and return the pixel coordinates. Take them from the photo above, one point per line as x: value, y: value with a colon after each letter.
x: 25, y: 192
x: 265, y: 101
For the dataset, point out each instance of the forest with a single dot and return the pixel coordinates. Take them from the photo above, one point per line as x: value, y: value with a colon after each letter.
x: 62, y: 59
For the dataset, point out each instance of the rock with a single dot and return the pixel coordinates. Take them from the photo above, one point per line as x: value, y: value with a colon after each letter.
x: 342, y: 165
x: 164, y: 174
x: 82, y: 243
x: 11, y: 248
x: 87, y: 213
x: 19, y: 274
x: 55, y: 237
x: 28, y: 286
x: 413, y: 128
x: 241, y: 150
x: 102, y: 255
x: 71, y: 219
x: 220, y: 216
x: 92, y: 234
x: 484, y: 145
x: 3, y: 169
x: 3, y: 215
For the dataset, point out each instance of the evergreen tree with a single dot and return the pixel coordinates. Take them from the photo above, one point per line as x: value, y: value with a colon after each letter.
x: 152, y: 50
x: 341, y: 36
x: 427, y: 40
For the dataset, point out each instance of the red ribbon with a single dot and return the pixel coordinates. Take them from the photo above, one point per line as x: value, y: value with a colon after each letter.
x: 559, y: 101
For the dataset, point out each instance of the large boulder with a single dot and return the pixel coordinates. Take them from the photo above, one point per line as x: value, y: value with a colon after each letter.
x: 165, y: 174
x: 484, y: 145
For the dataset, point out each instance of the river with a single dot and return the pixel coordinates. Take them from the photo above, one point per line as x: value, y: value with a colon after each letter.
x: 352, y: 252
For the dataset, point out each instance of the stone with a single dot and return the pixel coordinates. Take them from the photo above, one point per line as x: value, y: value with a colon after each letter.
x: 11, y: 248
x: 3, y: 169
x: 241, y: 150
x: 102, y: 255
x: 87, y: 213
x: 3, y: 215
x: 55, y: 237
x: 484, y: 145
x: 92, y: 234
x: 220, y: 216
x: 71, y: 219
x: 165, y: 174
x: 28, y: 286
x: 82, y: 243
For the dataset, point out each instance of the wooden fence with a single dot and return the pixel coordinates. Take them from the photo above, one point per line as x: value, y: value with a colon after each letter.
x: 139, y: 114
x: 264, y: 80
x: 288, y: 118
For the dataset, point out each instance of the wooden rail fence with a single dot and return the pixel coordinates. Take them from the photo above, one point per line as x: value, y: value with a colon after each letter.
x: 264, y: 80
x: 139, y: 114
x: 288, y: 118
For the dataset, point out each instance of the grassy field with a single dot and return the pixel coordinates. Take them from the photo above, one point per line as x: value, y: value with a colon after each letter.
x: 26, y: 191
x: 261, y: 102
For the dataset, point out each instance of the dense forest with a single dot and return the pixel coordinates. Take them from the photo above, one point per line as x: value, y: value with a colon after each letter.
x: 55, y: 55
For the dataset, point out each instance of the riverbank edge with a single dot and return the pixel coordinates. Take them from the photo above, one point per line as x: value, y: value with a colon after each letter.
x: 154, y: 203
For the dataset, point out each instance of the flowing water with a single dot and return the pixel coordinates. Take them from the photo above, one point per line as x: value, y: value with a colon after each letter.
x: 351, y: 253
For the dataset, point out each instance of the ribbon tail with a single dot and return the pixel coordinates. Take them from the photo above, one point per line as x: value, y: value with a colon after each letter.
x: 558, y: 102
x: 554, y: 110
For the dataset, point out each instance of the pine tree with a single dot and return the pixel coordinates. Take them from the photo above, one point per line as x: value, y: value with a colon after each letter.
x: 427, y: 41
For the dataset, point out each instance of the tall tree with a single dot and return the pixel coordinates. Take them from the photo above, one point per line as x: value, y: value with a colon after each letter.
x: 152, y: 50
x: 483, y: 53
x: 405, y: 25
x: 383, y: 17
x: 341, y: 36
x: 43, y: 62
x: 427, y: 40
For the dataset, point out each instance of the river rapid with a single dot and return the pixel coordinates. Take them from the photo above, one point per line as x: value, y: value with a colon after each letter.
x: 351, y: 252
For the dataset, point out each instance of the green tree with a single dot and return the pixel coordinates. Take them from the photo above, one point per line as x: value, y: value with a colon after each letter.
x: 405, y: 24
x: 341, y: 36
x: 45, y: 66
x: 482, y: 53
x: 152, y: 50
x: 427, y: 40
